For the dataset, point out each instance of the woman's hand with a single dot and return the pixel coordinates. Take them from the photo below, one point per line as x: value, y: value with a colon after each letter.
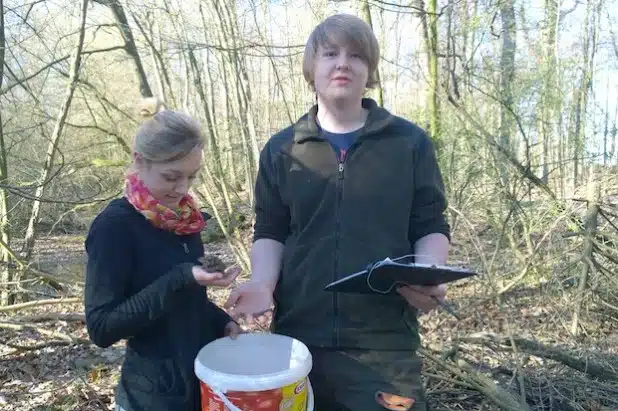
x: 252, y: 300
x: 216, y: 279
x: 232, y: 330
x: 423, y: 297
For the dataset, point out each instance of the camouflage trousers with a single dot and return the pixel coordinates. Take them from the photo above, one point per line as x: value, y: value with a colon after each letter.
x: 367, y: 380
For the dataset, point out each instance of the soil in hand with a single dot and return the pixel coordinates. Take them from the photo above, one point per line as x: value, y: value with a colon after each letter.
x: 212, y: 263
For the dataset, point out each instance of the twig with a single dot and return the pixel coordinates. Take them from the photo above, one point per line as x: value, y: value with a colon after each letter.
x: 520, y: 375
x: 90, y: 392
x: 49, y: 278
x: 446, y: 307
x: 21, y: 348
x: 591, y: 223
x: 502, y: 398
x: 43, y: 331
x: 585, y: 366
x: 38, y: 303
x: 604, y: 214
x: 450, y: 380
x: 74, y: 317
x: 608, y: 305
x: 530, y: 258
x: 597, y: 248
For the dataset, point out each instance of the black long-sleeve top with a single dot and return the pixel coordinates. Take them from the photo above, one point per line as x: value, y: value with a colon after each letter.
x: 139, y: 287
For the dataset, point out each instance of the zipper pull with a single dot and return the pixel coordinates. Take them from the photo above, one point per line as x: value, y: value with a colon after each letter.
x: 341, y: 170
x: 184, y: 245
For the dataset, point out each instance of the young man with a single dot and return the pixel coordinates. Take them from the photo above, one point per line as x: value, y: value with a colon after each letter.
x: 347, y: 185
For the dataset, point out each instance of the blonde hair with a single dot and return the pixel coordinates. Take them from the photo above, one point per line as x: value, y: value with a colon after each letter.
x: 348, y: 30
x: 165, y: 135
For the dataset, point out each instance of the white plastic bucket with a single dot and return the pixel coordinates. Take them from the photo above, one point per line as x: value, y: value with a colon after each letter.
x: 256, y: 371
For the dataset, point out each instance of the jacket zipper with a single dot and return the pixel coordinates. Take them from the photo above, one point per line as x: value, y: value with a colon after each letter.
x: 340, y: 177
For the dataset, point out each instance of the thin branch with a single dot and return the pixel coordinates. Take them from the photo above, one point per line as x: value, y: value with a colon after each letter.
x: 51, y: 279
x: 43, y: 331
x: 585, y: 365
x: 39, y: 346
x: 53, y: 63
x: 39, y: 303
x: 74, y: 317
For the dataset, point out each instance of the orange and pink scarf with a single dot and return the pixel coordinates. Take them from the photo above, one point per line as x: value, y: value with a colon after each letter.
x: 186, y: 220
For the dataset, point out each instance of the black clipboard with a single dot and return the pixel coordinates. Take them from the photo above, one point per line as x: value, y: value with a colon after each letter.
x: 383, y: 277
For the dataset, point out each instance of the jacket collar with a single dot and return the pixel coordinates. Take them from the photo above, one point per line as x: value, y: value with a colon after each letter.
x: 307, y: 126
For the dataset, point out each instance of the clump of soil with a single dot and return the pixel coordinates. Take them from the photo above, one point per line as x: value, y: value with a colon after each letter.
x: 212, y: 263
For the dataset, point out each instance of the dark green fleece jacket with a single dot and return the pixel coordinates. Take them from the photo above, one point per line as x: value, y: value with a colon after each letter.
x: 337, y: 216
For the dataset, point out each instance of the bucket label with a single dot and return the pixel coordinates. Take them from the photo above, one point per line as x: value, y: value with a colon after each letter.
x: 291, y: 397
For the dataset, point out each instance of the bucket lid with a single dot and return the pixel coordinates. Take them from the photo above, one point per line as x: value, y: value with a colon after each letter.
x: 253, y: 362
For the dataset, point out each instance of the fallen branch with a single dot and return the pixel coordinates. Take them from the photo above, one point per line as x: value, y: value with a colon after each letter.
x: 470, y: 378
x: 43, y: 331
x: 17, y: 262
x: 586, y: 366
x: 39, y: 346
x: 449, y: 380
x: 608, y: 305
x: 530, y: 258
x: 74, y: 317
x: 38, y: 303
x: 587, y: 257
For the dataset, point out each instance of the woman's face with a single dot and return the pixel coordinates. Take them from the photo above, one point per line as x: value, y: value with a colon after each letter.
x: 169, y: 182
x: 339, y: 73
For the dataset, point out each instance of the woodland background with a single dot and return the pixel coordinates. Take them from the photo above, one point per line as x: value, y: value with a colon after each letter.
x: 519, y: 96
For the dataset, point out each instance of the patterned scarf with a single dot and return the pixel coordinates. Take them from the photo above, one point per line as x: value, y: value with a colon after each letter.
x: 187, y: 220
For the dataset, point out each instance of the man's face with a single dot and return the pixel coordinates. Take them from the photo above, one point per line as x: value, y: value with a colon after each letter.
x: 339, y: 73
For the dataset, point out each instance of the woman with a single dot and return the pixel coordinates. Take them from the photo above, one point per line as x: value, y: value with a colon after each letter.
x: 349, y: 184
x: 143, y: 280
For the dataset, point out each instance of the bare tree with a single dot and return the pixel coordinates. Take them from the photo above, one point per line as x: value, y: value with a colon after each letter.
x: 129, y: 43
x: 507, y: 76
x: 367, y: 16
x: 52, y: 148
x: 5, y: 270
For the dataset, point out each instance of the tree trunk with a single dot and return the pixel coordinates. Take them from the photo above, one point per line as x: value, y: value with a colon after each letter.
x: 242, y: 91
x: 583, y: 92
x: 273, y: 64
x: 606, y: 129
x: 166, y: 91
x: 366, y: 10
x: 549, y: 92
x: 210, y: 121
x: 613, y: 133
x: 52, y: 147
x: 6, y: 273
x: 129, y: 44
x: 245, y: 87
x: 507, y: 66
x: 587, y: 254
x: 429, y: 24
x: 434, y: 122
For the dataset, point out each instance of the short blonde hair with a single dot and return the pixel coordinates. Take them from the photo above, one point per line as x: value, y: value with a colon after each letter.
x: 348, y: 30
x: 165, y: 135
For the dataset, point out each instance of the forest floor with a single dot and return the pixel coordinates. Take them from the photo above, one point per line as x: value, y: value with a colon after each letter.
x: 501, y: 354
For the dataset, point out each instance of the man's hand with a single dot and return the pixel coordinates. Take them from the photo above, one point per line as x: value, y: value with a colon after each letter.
x: 251, y: 301
x: 423, y: 297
